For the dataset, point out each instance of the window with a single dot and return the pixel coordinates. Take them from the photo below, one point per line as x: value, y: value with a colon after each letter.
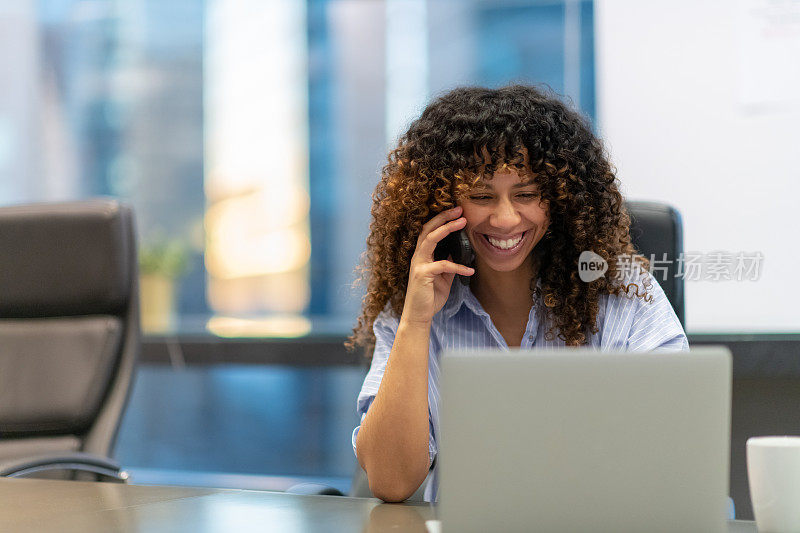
x: 249, y: 135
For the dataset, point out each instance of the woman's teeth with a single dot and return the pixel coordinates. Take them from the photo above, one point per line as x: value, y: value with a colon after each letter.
x: 504, y: 244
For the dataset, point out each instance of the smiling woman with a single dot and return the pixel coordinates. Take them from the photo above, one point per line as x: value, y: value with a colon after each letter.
x: 518, y: 131
x: 528, y: 183
x: 505, y: 219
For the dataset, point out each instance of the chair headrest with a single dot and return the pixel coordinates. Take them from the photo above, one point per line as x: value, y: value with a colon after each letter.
x: 62, y: 259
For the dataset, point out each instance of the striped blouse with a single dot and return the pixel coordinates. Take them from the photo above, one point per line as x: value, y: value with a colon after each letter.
x: 626, y: 323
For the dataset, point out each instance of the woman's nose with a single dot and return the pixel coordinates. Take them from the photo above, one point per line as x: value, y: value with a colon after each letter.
x: 505, y: 216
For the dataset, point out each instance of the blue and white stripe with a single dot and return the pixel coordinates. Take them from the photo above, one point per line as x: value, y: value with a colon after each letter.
x: 626, y: 322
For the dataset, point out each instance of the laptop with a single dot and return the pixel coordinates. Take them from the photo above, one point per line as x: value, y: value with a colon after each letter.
x: 580, y: 440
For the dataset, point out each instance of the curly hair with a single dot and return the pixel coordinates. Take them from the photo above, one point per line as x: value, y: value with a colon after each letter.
x: 465, y: 136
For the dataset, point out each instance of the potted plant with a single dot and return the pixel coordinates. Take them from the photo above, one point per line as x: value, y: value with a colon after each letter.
x: 162, y: 263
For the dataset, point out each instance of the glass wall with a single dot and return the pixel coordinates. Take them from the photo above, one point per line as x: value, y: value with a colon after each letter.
x: 248, y: 135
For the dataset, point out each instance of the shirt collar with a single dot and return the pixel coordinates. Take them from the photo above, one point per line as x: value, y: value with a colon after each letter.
x: 455, y: 300
x: 461, y: 294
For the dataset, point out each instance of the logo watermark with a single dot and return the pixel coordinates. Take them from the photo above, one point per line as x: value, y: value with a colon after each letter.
x: 591, y: 266
x: 690, y: 266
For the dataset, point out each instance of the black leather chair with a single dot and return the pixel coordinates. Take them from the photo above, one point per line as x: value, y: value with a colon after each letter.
x: 657, y: 233
x: 69, y: 337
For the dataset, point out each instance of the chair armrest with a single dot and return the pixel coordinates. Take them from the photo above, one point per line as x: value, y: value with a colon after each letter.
x: 104, y: 467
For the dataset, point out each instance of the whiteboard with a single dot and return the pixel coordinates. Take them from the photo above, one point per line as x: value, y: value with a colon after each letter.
x: 681, y: 128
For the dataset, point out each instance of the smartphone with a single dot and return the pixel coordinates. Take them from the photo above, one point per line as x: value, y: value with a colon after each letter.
x: 457, y: 247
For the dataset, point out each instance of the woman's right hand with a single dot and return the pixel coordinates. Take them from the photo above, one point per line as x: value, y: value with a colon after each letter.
x: 429, y: 281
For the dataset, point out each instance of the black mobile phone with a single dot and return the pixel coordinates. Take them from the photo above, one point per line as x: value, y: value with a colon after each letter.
x: 456, y: 246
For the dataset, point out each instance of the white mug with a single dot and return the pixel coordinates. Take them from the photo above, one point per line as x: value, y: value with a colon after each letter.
x: 773, y: 471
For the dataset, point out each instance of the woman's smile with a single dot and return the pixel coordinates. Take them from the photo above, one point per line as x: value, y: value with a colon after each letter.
x: 503, y: 245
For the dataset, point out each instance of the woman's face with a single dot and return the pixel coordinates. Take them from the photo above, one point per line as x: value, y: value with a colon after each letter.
x: 505, y: 220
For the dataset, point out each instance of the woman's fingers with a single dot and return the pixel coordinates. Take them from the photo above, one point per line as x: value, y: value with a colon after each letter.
x: 429, y: 280
x: 447, y: 267
x: 437, y: 221
x: 428, y: 244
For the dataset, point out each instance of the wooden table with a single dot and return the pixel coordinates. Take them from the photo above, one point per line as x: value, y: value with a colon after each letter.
x: 31, y: 505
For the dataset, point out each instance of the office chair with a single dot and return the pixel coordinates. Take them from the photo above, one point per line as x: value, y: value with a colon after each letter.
x: 657, y: 233
x: 69, y: 337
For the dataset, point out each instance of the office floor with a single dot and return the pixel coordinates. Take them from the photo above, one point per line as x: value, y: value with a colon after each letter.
x: 234, y: 425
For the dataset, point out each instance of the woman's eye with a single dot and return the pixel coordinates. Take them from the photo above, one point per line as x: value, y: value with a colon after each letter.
x: 529, y: 195
x: 479, y: 197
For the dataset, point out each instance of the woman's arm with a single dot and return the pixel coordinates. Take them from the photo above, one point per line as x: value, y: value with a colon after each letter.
x: 392, y: 443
